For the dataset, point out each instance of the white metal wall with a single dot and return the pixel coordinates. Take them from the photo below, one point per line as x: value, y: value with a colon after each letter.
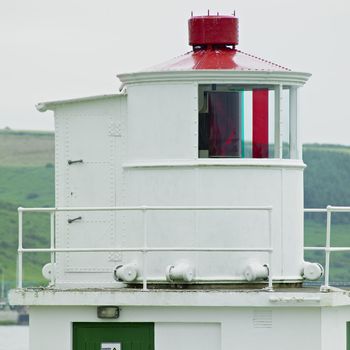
x: 91, y: 131
x: 142, y: 149
x: 162, y: 121
x: 218, y: 185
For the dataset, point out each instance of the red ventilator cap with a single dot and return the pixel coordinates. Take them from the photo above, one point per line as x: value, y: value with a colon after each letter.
x: 213, y: 30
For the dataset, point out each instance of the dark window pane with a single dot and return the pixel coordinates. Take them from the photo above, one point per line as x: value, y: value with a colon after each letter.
x: 203, y: 141
x: 224, y: 124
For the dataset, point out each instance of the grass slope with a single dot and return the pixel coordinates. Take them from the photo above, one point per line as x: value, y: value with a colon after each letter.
x: 327, y: 177
x: 26, y: 148
x: 27, y: 179
x: 315, y: 235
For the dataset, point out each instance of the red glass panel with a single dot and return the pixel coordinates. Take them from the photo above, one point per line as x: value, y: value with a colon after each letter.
x: 224, y: 124
x: 260, y: 123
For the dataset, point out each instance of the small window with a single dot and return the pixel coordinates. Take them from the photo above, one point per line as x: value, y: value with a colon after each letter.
x: 220, y: 122
x: 220, y: 126
x: 239, y: 122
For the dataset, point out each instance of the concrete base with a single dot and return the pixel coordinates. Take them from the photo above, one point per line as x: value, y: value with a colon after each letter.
x: 197, y: 320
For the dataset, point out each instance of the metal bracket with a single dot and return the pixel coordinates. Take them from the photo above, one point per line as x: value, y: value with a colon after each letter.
x: 70, y: 162
x: 75, y: 219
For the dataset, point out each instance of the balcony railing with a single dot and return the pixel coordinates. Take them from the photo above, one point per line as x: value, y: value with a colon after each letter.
x: 328, y: 249
x: 144, y: 249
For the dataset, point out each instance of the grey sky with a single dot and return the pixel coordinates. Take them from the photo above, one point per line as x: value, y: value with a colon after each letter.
x: 62, y: 49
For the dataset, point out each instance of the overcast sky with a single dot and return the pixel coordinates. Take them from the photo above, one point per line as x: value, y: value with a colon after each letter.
x: 65, y: 48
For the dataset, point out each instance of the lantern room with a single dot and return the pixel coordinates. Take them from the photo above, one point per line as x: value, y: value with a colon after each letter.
x: 192, y: 174
x: 247, y: 106
x: 238, y: 120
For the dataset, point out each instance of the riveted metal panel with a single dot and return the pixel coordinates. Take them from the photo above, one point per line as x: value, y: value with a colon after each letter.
x: 88, y: 145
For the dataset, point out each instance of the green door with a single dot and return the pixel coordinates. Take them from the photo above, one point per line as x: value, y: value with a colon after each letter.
x: 110, y: 336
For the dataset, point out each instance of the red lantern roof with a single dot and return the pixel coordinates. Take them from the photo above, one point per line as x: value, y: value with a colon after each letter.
x: 214, y: 40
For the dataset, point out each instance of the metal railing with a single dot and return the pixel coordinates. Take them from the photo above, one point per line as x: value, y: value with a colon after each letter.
x: 328, y: 249
x: 144, y: 249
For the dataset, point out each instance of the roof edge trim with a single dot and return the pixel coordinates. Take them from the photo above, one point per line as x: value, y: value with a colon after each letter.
x: 241, y: 77
x: 50, y: 105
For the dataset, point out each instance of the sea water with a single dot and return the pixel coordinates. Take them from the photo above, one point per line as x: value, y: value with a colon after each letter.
x: 14, y: 338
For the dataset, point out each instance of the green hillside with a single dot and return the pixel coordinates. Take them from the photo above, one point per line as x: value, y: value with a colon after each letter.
x: 327, y: 182
x: 26, y: 148
x: 27, y: 179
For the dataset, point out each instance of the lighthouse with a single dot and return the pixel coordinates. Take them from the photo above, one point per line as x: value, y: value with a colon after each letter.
x: 178, y: 221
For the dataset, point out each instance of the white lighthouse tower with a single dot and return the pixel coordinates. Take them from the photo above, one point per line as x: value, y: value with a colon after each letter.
x: 179, y: 212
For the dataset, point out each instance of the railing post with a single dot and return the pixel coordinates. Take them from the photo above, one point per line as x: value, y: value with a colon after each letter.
x: 328, y: 252
x: 20, y: 247
x: 270, y: 287
x: 52, y: 246
x: 144, y: 252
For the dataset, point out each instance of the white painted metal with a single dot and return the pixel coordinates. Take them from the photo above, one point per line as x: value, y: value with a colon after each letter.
x: 278, y: 121
x: 294, y: 129
x: 336, y: 209
x: 48, y: 271
x: 217, y: 76
x: 52, y: 105
x: 154, y: 154
x: 140, y: 249
x: 312, y: 271
x: 144, y: 253
x: 145, y: 154
x: 20, y: 253
x: 327, y: 250
x: 161, y: 121
x: 126, y: 273
x: 315, y: 210
x: 270, y: 277
x: 182, y: 272
x: 255, y: 271
x: 145, y: 208
x: 98, y: 121
x: 221, y: 162
x: 145, y: 249
x: 52, y: 246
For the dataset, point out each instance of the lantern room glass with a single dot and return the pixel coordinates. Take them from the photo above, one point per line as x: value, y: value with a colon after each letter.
x: 225, y: 115
x: 240, y: 122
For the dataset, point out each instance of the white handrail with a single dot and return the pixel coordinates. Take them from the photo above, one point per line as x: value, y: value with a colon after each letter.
x: 315, y: 210
x: 145, y: 249
x: 140, y: 249
x: 328, y: 245
x: 328, y: 249
x: 145, y: 207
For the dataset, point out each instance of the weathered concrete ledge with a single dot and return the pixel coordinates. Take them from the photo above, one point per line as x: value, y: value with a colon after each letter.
x: 196, y: 298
